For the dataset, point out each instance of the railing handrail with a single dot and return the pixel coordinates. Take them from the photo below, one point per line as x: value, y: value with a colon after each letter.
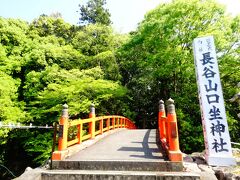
x: 74, y: 122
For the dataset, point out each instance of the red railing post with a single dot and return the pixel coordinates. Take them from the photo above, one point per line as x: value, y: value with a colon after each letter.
x: 79, y: 133
x: 62, y: 136
x: 121, y: 121
x: 117, y: 122
x: 92, y: 113
x: 124, y: 122
x: 161, y: 120
x: 101, y: 126
x: 174, y: 152
x: 92, y: 123
x: 63, y: 129
x: 113, y: 123
x: 108, y: 124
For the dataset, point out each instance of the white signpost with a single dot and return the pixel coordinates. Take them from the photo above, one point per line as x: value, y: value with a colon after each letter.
x: 214, y: 121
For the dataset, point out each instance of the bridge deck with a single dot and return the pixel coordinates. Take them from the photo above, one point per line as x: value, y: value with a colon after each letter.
x: 124, y: 145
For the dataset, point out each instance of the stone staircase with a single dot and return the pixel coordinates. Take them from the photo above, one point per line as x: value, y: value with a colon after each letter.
x: 118, y: 170
x: 116, y: 175
x: 118, y: 165
x: 125, y: 170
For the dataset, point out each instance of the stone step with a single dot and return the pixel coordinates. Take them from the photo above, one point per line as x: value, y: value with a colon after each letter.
x: 117, y: 165
x: 116, y: 175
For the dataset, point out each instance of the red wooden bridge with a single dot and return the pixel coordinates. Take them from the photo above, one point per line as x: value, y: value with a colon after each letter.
x: 111, y: 147
x: 93, y: 126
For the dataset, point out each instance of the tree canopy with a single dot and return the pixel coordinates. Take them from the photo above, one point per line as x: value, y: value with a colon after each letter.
x: 94, y: 12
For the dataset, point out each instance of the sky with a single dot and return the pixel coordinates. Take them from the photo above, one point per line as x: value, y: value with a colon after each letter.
x: 125, y: 14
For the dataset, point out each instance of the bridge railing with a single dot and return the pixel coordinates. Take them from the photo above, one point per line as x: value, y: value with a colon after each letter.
x: 85, y: 129
x: 168, y: 129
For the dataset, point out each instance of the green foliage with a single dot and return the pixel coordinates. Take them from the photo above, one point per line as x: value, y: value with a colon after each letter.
x: 47, y: 25
x: 107, y: 61
x: 8, y: 99
x: 51, y: 88
x: 12, y: 34
x: 98, y: 43
x: 94, y: 12
x: 94, y: 39
x: 39, y: 147
x: 10, y: 109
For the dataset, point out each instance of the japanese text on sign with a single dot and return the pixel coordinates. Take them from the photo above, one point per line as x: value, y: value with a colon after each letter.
x: 217, y: 140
